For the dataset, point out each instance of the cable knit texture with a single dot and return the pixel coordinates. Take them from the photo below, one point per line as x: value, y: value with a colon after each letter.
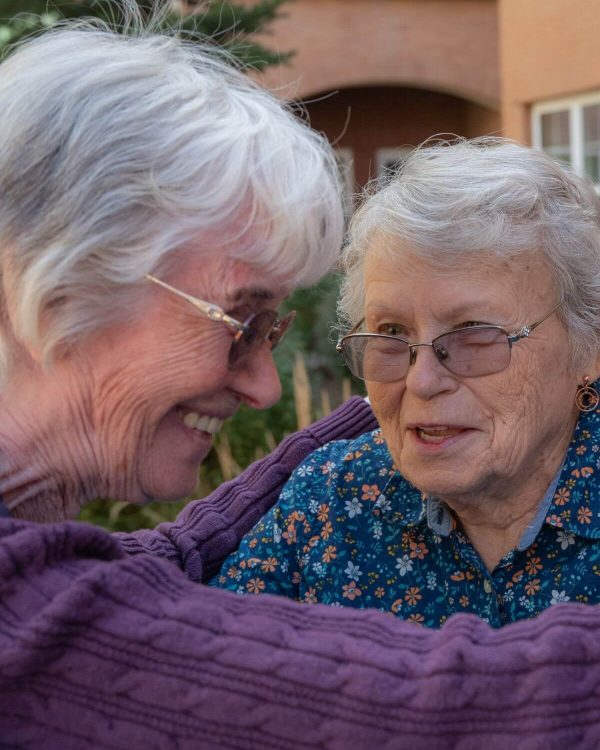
x: 100, y: 649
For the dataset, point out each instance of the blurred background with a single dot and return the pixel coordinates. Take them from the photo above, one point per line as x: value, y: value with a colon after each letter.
x: 377, y: 77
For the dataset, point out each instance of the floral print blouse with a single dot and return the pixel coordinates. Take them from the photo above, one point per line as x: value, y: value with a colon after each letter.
x: 349, y: 530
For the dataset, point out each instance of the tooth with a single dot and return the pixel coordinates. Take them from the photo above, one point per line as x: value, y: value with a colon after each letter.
x: 203, y: 424
x: 191, y: 419
x: 215, y: 425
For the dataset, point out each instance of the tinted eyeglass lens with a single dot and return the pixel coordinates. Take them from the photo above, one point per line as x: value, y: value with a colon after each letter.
x: 469, y: 352
x: 473, y: 351
x: 280, y: 328
x: 377, y: 358
x: 258, y: 329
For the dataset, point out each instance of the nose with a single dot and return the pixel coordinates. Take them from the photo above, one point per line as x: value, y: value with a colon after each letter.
x: 427, y: 376
x: 256, y: 380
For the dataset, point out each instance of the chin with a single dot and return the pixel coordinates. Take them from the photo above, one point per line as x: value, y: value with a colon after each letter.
x: 172, y: 485
x: 442, y: 486
x: 170, y: 472
x: 174, y: 493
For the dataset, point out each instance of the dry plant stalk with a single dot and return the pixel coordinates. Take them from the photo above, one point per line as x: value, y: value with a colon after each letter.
x: 346, y: 389
x: 302, y: 393
x: 270, y: 441
x: 227, y: 463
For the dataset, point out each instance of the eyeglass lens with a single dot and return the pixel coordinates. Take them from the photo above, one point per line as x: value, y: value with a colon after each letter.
x: 468, y: 352
x: 259, y: 328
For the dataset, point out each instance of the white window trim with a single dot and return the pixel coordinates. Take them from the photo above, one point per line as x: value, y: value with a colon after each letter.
x: 385, y: 155
x: 574, y: 105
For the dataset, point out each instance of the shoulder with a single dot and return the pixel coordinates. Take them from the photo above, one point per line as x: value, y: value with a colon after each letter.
x: 361, y: 456
x: 33, y: 545
x: 338, y: 453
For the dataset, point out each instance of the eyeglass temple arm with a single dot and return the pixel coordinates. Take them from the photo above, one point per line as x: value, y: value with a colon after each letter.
x: 338, y: 346
x: 214, y: 312
x: 526, y: 330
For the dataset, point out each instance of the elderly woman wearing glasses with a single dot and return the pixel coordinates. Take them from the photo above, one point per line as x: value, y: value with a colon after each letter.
x: 142, y: 261
x: 472, y: 292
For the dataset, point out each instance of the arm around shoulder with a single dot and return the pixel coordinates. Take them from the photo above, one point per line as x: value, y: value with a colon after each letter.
x: 123, y: 652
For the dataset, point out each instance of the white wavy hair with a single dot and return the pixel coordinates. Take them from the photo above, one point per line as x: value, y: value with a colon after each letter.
x: 118, y: 150
x: 488, y: 198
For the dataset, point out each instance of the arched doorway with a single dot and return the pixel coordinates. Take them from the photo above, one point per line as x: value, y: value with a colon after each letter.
x: 372, y: 125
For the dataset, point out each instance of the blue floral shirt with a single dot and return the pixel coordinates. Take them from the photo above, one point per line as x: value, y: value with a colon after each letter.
x: 349, y: 530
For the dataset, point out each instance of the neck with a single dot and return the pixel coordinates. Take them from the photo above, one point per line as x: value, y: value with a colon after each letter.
x: 494, y: 538
x: 496, y: 519
x: 45, y: 457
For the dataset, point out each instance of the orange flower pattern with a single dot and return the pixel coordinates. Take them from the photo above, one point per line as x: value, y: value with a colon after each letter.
x: 349, y: 530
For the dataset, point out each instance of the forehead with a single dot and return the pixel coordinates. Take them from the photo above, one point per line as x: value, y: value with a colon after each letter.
x: 227, y: 281
x: 398, y: 276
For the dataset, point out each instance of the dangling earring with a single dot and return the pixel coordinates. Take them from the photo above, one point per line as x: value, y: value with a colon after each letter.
x: 587, y: 397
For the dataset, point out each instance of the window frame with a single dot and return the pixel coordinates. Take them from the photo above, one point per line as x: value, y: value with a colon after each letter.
x: 574, y: 105
x: 384, y: 155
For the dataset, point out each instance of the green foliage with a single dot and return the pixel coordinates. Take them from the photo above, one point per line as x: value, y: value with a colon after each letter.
x: 229, y: 24
x: 119, y: 516
x: 232, y: 25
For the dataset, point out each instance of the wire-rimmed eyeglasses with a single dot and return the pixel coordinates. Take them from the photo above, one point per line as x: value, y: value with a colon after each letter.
x: 467, y: 352
x: 247, y: 336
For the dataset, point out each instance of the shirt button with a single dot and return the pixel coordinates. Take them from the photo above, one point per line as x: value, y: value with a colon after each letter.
x: 487, y: 586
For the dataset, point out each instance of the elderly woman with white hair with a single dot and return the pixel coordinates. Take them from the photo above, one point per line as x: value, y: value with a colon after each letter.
x: 472, y: 295
x: 142, y: 262
x: 155, y: 207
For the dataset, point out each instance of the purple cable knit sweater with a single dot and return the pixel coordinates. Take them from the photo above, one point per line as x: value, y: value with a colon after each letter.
x: 101, y: 649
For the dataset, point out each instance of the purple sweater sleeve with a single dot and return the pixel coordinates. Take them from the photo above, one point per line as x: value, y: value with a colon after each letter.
x: 103, y: 650
x: 208, y: 530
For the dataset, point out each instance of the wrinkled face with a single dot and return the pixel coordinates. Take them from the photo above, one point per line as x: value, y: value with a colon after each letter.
x: 457, y: 437
x: 143, y: 383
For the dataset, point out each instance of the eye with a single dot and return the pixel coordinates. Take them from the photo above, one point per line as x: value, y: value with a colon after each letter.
x: 471, y: 323
x: 391, y: 329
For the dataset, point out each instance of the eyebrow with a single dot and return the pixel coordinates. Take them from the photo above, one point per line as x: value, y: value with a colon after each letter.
x: 462, y: 309
x: 251, y: 293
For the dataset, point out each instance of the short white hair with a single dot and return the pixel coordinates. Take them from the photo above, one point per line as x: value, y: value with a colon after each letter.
x: 489, y: 198
x: 118, y: 150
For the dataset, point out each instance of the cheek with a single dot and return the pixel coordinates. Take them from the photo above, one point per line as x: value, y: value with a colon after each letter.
x: 386, y: 401
x: 520, y: 410
x: 384, y: 398
x: 189, y: 361
x: 150, y: 377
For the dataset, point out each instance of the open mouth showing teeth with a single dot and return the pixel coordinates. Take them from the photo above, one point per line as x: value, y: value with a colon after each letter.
x: 436, y: 434
x: 200, y: 422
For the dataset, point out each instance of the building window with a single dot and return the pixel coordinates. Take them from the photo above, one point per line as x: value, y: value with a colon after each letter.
x: 388, y: 161
x: 569, y: 130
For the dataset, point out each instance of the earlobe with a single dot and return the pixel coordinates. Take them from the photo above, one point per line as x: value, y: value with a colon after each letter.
x: 590, y: 370
x: 595, y: 374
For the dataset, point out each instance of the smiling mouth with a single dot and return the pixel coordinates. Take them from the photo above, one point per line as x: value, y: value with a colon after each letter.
x: 437, y: 434
x: 200, y: 422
